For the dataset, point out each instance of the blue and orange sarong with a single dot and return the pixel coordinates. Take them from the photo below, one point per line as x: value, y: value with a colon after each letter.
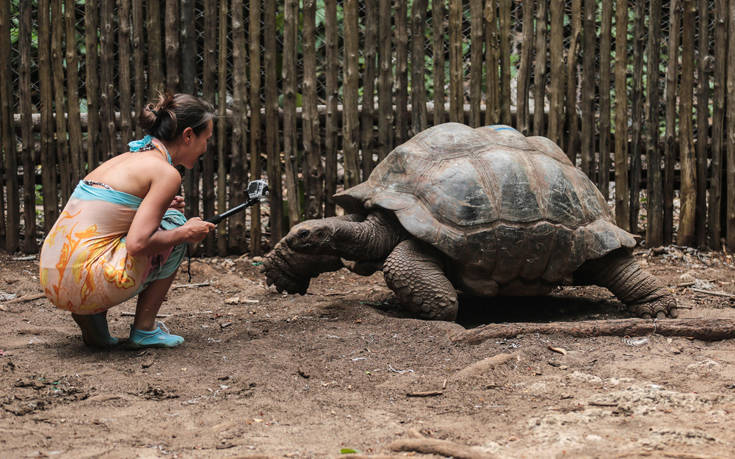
x: 85, y: 267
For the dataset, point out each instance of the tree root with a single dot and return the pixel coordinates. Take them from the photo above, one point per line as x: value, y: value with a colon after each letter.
x: 703, y: 329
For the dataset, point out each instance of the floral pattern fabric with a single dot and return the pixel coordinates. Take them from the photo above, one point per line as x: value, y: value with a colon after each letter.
x: 85, y: 267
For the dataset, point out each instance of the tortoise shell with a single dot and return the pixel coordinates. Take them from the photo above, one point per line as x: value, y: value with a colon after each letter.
x: 510, y: 212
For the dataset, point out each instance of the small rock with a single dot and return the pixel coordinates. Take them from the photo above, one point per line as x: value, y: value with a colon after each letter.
x: 233, y: 300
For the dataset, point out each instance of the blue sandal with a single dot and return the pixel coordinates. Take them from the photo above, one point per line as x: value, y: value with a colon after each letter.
x: 160, y: 337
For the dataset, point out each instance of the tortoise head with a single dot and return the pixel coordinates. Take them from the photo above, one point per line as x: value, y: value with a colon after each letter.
x: 312, y: 236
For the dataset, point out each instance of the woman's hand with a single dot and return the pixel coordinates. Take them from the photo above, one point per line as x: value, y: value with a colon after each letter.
x: 177, y: 204
x: 195, y: 229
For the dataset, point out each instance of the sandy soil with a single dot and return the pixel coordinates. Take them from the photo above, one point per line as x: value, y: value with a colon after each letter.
x: 341, y: 369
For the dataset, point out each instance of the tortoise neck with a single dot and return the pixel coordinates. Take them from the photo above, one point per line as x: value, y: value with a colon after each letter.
x: 371, y: 239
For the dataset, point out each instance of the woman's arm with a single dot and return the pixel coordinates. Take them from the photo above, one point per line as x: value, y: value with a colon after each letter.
x: 143, y: 237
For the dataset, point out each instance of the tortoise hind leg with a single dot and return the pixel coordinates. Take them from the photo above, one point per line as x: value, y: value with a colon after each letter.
x: 414, y: 272
x: 623, y: 276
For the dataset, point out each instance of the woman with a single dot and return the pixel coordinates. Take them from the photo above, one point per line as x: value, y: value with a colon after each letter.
x: 122, y: 232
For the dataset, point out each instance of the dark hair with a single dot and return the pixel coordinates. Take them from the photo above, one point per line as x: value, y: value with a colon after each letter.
x: 172, y: 113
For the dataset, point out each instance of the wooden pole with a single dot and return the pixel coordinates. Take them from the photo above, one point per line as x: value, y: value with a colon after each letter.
x: 62, y: 143
x: 539, y: 71
x: 313, y: 174
x: 654, y: 186
x: 556, y: 62
x: 208, y: 92
x: 367, y: 114
x: 26, y: 112
x: 730, y: 161
x: 8, y: 135
x: 718, y: 123
x: 688, y: 196
x: 255, y: 128
x: 155, y: 53
x: 222, y: 233
x: 330, y: 128
x: 589, y: 42
x: 572, y: 120
x: 670, y: 102
x: 351, y: 127
x: 505, y: 67
x: 438, y: 14
x: 636, y: 108
x: 524, y: 71
x: 107, y: 83
x: 188, y: 44
x: 271, y: 122
x: 238, y: 145
x: 91, y: 82
x: 188, y: 78
x: 385, y: 83
x: 290, y: 154
x: 171, y: 44
x: 703, y: 123
x: 48, y: 151
x: 139, y: 71
x: 401, y: 40
x: 622, y: 204
x: 476, y: 43
x: 456, y: 77
x: 418, y: 66
x: 123, y: 44
x: 605, y: 105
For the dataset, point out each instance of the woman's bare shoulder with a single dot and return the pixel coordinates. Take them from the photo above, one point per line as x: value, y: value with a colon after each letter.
x: 136, y: 173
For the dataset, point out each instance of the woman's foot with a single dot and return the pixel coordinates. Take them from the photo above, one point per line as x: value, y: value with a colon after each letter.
x: 94, y: 330
x: 159, y: 337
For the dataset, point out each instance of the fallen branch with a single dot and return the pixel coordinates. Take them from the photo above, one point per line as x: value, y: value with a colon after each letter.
x: 24, y: 298
x: 710, y: 292
x: 704, y: 329
x: 428, y: 393
x: 440, y: 447
x: 200, y: 284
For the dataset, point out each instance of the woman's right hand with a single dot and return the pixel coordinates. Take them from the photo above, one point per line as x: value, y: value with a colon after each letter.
x: 195, y: 229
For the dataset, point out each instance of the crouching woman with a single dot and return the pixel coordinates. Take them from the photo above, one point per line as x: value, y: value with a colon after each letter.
x: 122, y: 232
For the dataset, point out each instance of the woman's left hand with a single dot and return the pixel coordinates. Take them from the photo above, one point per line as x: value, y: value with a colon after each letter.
x: 177, y: 203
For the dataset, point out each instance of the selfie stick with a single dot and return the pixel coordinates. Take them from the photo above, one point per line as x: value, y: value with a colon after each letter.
x: 257, y: 191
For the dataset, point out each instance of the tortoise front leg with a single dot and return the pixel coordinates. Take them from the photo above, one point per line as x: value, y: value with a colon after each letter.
x: 414, y: 272
x: 623, y: 276
x: 292, y: 271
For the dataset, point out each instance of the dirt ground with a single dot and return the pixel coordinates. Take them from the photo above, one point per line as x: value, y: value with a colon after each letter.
x: 343, y: 370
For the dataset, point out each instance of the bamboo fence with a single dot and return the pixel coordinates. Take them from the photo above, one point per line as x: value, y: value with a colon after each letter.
x: 311, y: 94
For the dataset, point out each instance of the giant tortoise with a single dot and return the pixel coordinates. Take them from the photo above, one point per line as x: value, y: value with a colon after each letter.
x: 486, y: 211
